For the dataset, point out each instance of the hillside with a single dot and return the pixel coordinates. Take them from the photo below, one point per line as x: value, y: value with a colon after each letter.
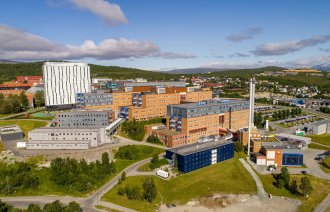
x: 8, y: 72
x: 192, y: 70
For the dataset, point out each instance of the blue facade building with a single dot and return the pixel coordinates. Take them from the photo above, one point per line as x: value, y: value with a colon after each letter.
x: 292, y: 159
x: 195, y: 156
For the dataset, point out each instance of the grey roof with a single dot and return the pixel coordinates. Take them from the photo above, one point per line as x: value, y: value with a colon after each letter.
x: 211, y: 103
x: 198, y: 147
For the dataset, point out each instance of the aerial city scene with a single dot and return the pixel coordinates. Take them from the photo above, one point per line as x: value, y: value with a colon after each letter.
x: 167, y: 106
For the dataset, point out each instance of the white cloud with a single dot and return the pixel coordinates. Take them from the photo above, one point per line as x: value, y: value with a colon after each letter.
x: 289, y: 46
x: 249, y: 33
x: 110, y: 13
x: 18, y: 45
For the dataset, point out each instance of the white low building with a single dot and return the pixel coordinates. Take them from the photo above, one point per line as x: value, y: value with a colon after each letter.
x: 65, y: 138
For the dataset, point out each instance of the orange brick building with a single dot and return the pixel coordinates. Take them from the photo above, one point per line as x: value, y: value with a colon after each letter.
x: 186, y: 123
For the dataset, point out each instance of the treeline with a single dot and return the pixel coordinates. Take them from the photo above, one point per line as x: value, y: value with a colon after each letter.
x: 284, y: 114
x: 147, y: 191
x: 13, y: 103
x: 325, y: 109
x: 16, y: 176
x: 55, y: 206
x: 79, y: 175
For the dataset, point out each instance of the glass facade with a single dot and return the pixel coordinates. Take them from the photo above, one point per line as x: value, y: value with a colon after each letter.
x: 292, y: 159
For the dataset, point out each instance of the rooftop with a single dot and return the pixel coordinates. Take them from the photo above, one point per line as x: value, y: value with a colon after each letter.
x: 10, y: 129
x: 210, y: 103
x: 201, y: 146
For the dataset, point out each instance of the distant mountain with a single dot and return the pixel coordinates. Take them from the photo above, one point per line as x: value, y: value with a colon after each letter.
x: 7, y: 61
x: 193, y: 70
x: 322, y: 67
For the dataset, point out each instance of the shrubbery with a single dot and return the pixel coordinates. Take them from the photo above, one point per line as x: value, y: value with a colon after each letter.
x: 154, y: 139
x: 78, y: 175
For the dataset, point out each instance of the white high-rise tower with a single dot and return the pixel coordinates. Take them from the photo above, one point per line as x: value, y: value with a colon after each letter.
x: 63, y: 80
x: 251, y: 112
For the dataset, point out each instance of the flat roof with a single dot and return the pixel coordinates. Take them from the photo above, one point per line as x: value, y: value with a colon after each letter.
x: 198, y: 147
x: 210, y: 103
x: 170, y: 132
x: 64, y: 129
x: 10, y: 129
x: 296, y: 137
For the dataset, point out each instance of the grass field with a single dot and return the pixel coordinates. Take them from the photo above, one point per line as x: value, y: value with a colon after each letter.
x: 316, y: 146
x: 25, y: 125
x: 321, y: 189
x: 228, y: 177
x: 322, y: 139
x: 146, y: 167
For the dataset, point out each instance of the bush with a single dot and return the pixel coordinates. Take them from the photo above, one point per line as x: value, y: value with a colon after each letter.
x: 121, y: 191
x: 154, y: 139
x: 133, y: 192
x: 238, y: 146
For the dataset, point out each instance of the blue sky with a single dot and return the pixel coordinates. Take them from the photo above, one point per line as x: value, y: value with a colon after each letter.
x: 167, y: 34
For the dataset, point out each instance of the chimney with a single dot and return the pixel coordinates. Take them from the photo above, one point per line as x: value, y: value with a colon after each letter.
x: 251, y: 112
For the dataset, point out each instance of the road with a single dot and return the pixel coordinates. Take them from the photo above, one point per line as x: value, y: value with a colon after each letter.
x: 261, y: 191
x: 88, y: 203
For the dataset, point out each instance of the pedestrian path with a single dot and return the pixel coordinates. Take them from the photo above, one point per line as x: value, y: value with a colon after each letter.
x: 261, y: 191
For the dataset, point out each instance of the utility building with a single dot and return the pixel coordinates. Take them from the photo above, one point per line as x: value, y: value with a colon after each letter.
x: 208, y: 151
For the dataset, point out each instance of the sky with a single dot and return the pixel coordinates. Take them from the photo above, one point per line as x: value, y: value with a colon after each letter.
x: 167, y: 34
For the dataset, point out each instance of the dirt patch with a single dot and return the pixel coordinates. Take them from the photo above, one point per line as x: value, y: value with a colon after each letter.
x: 235, y: 203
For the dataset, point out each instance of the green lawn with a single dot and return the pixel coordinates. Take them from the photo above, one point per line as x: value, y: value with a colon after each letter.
x: 3, y: 115
x: 1, y: 147
x: 25, y: 125
x: 228, y: 177
x: 148, y: 167
x: 322, y: 139
x: 316, y: 146
x: 321, y: 189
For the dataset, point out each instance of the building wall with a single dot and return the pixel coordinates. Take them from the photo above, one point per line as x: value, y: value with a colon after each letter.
x: 97, y: 98
x: 153, y: 106
x: 197, y: 160
x: 197, y: 96
x: 292, y: 159
x: 52, y: 145
x: 76, y: 119
x: 64, y: 80
x: 121, y: 99
x: 60, y: 135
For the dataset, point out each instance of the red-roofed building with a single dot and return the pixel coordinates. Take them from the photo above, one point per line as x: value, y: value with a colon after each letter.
x: 36, y: 79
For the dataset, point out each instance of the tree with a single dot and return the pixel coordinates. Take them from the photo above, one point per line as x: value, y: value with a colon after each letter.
x: 123, y: 176
x: 39, y: 98
x: 33, y: 208
x: 155, y: 158
x: 305, y: 186
x: 24, y: 101
x: 149, y: 189
x: 238, y: 146
x: 285, y: 176
x: 279, y: 183
x: 72, y: 207
x: 55, y: 206
x: 294, y: 187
